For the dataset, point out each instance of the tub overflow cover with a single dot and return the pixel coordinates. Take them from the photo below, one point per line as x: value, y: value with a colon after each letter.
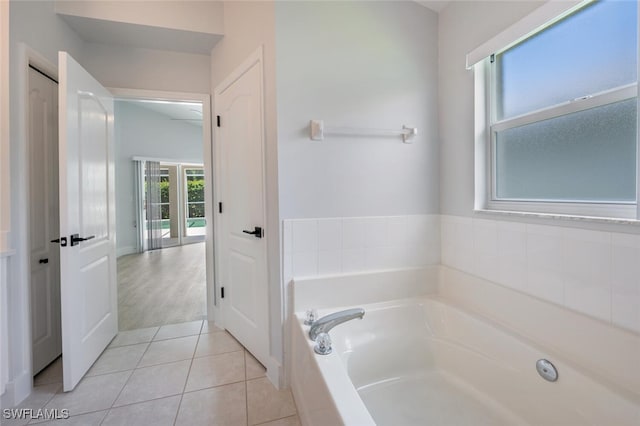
x: 547, y: 370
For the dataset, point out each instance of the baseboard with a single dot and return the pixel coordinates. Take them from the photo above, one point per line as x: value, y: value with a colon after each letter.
x: 17, y: 390
x: 123, y: 251
x: 275, y: 373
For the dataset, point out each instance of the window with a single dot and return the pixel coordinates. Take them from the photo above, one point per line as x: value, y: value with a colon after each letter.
x: 561, y: 120
x: 195, y: 222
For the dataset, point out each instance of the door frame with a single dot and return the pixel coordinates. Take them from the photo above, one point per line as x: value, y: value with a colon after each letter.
x: 20, y: 374
x: 30, y: 175
x: 213, y: 312
x: 274, y: 368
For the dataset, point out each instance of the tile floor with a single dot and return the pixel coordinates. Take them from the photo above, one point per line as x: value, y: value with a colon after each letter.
x: 182, y: 374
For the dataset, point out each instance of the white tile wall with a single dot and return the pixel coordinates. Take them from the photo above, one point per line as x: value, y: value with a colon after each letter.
x: 315, y: 247
x: 595, y: 273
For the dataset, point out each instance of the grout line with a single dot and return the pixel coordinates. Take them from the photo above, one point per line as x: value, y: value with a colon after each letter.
x: 121, y: 389
x: 175, y: 418
x: 215, y: 386
x: 246, y: 401
x: 275, y: 420
x: 186, y: 380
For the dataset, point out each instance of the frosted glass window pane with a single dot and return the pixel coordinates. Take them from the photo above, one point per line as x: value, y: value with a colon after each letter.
x: 592, y: 50
x: 583, y: 156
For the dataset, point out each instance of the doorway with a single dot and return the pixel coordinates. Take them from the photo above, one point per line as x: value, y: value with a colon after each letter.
x: 45, y: 304
x: 162, y: 186
x: 44, y: 218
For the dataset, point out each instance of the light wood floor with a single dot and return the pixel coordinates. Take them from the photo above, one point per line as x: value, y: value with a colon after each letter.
x: 162, y: 287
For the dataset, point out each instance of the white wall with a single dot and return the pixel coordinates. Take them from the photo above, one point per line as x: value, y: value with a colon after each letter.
x: 5, y: 204
x: 364, y: 65
x: 249, y: 26
x: 138, y: 68
x: 35, y: 24
x: 463, y: 25
x: 588, y: 267
x: 144, y: 133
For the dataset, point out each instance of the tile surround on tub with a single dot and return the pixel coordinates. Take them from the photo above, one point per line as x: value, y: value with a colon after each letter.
x: 593, y: 272
x: 317, y: 247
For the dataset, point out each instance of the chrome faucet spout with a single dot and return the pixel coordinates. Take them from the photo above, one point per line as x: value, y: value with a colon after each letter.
x: 326, y: 323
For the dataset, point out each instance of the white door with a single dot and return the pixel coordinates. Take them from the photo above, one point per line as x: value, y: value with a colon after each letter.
x: 87, y: 220
x: 43, y: 219
x: 243, y: 267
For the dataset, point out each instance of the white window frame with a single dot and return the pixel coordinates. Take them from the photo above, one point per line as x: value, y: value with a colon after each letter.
x: 487, y: 125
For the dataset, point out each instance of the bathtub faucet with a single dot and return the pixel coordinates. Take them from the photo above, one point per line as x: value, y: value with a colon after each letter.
x: 326, y: 323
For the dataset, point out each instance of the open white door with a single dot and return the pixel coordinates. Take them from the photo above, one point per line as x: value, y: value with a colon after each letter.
x: 88, y: 282
x: 240, y: 163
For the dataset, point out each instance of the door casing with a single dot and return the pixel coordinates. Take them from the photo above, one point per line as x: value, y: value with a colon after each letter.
x: 213, y: 312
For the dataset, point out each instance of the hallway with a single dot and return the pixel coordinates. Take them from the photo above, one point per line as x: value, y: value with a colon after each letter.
x: 188, y: 374
x: 160, y: 287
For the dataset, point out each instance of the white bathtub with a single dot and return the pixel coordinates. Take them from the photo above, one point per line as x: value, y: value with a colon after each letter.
x: 424, y: 361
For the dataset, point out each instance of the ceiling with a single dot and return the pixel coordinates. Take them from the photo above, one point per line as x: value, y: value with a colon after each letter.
x: 150, y: 37
x: 435, y: 5
x: 144, y: 36
x: 187, y: 112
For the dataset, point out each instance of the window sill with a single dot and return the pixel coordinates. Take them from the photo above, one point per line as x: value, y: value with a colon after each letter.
x: 560, y: 217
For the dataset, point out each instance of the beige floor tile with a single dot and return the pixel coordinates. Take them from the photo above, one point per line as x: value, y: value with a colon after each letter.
x: 216, y: 370
x: 89, y: 419
x: 217, y: 343
x: 210, y: 327
x: 169, y: 351
x: 159, y: 412
x: 92, y: 394
x: 223, y: 405
x: 287, y: 421
x: 118, y: 359
x: 51, y: 374
x: 134, y: 337
x: 266, y: 403
x: 254, y: 368
x: 184, y: 329
x: 154, y: 382
x: 40, y: 396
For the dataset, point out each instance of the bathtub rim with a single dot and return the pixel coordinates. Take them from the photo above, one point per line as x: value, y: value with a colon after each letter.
x: 599, y: 379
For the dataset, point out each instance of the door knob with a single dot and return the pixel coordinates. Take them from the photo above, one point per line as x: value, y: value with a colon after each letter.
x: 43, y: 261
x: 76, y: 239
x: 257, y: 232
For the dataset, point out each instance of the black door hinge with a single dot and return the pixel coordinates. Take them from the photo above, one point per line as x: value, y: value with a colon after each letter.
x: 220, y: 207
x: 218, y: 120
x: 222, y: 292
x: 492, y: 59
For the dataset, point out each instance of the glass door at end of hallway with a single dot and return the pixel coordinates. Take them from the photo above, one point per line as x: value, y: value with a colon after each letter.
x: 173, y: 205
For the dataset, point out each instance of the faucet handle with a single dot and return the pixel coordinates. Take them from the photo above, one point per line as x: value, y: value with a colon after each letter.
x: 312, y: 316
x: 323, y: 344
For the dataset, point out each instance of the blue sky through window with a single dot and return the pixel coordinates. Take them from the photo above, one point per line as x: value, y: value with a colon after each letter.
x: 593, y: 50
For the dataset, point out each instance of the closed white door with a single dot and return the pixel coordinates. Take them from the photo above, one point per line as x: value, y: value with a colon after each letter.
x: 43, y: 220
x: 87, y: 220
x: 240, y: 162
